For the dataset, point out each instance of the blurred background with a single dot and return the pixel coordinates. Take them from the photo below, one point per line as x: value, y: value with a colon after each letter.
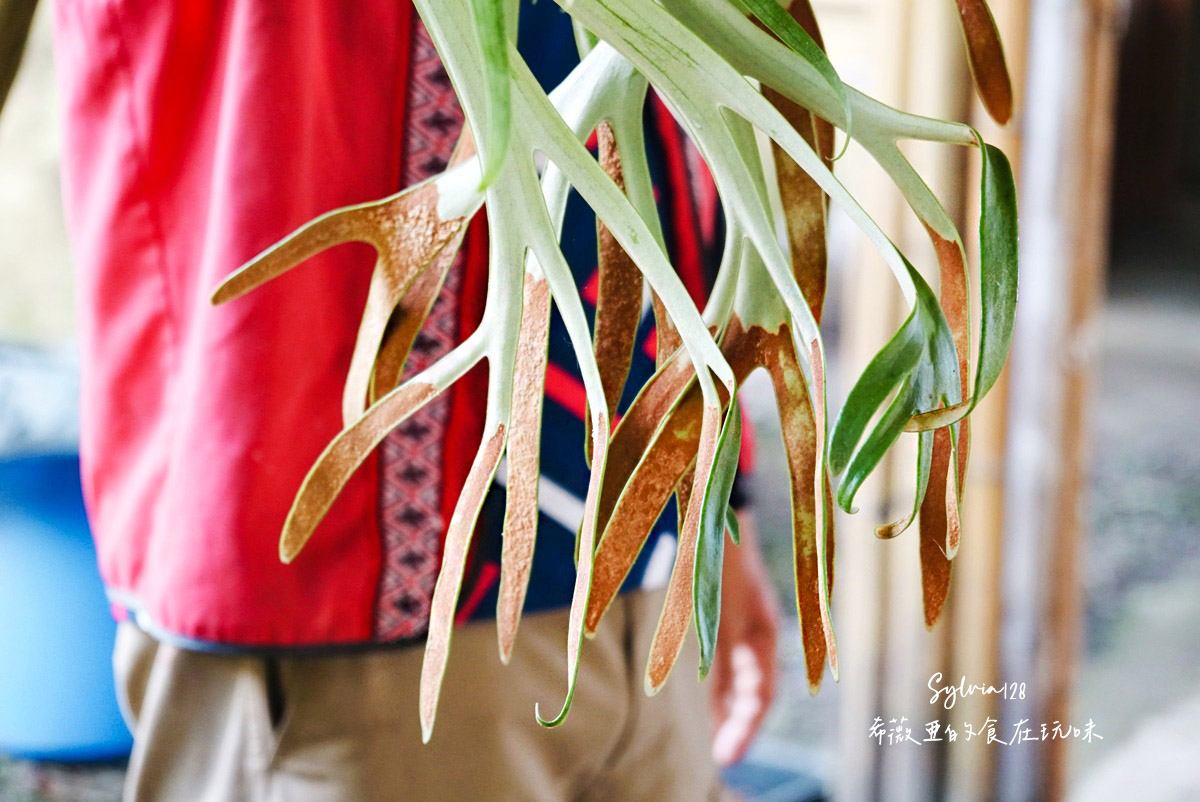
x: 1079, y: 571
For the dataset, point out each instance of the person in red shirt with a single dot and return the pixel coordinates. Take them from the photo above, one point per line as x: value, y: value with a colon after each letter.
x: 197, y: 134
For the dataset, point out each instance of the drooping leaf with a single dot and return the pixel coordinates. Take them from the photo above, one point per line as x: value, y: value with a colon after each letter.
x: 985, y: 54
x: 885, y: 372
x: 925, y: 464
x: 710, y: 548
x: 677, y: 608
x: 798, y: 428
x: 651, y: 455
x: 932, y: 378
x: 941, y: 378
x: 998, y: 284
x: 661, y: 456
x: 823, y: 491
x: 998, y: 266
x: 956, y: 302
x: 524, y: 445
x: 936, y: 508
x: 803, y: 203
x: 583, y: 575
x: 618, y: 294
x: 657, y: 409
x: 449, y: 581
x: 731, y: 523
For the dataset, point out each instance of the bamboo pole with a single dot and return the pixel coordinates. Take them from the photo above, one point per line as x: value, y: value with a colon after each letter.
x: 1065, y: 604
x: 975, y: 604
x: 1063, y: 201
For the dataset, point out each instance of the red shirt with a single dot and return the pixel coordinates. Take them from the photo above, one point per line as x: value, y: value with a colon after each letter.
x: 196, y: 134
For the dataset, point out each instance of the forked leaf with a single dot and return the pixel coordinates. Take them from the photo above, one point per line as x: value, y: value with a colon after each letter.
x: 404, y: 322
x: 491, y: 27
x: 583, y: 575
x: 407, y: 320
x: 784, y: 25
x: 677, y: 608
x: 408, y: 235
x: 341, y: 458
x: 633, y: 498
x: 798, y: 427
x: 985, y: 54
x: 449, y: 581
x: 524, y: 446
x: 619, y: 291
x: 406, y: 223
x: 804, y: 203
x: 398, y: 276
x: 710, y: 547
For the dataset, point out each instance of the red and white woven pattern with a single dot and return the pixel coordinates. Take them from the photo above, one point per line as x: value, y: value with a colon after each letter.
x: 411, y: 472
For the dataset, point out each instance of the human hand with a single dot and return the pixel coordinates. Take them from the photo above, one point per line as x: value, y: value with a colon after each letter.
x: 744, y: 666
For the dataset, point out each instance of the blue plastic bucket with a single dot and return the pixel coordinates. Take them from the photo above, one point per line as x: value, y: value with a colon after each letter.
x: 57, y: 699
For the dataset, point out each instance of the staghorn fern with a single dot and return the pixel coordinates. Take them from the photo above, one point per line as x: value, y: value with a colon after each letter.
x: 727, y: 69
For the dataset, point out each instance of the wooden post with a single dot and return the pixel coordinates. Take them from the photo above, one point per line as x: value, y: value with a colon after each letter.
x: 1065, y: 604
x: 1064, y: 200
x: 975, y: 608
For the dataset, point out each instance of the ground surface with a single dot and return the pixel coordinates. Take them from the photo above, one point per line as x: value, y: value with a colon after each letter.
x: 1141, y: 667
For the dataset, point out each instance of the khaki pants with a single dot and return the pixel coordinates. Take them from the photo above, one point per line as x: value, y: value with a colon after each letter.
x: 345, y: 727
